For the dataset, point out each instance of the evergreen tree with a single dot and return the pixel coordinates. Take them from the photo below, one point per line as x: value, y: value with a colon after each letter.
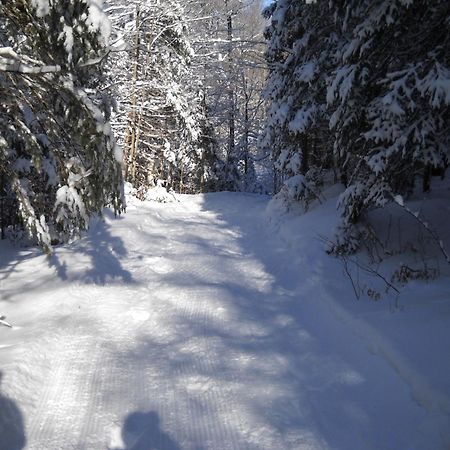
x: 378, y: 72
x: 301, y: 42
x: 392, y: 92
x: 58, y: 159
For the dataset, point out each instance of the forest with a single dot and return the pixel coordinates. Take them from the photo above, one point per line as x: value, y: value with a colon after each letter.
x: 224, y: 224
x: 211, y: 96
x: 162, y: 92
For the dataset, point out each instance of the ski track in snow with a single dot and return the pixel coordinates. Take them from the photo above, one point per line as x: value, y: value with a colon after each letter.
x: 185, y: 326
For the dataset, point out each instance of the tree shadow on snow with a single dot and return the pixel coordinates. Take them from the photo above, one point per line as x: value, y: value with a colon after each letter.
x: 12, y: 431
x: 321, y: 385
x: 105, y: 252
x: 142, y: 431
x: 11, y: 258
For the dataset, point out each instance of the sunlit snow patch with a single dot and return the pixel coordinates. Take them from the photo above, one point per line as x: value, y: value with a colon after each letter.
x: 139, y: 316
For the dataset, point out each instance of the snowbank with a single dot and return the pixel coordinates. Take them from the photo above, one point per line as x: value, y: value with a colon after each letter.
x: 409, y: 329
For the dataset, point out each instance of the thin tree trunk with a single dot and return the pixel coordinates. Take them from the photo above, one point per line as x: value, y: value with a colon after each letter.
x: 246, y: 132
x: 232, y: 113
x: 135, y: 146
x: 130, y: 136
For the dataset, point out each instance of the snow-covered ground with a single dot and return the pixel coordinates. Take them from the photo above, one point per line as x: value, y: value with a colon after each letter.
x: 197, y: 325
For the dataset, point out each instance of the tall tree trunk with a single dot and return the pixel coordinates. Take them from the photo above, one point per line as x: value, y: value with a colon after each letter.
x: 130, y: 136
x: 232, y: 113
x: 246, y: 130
x: 135, y: 146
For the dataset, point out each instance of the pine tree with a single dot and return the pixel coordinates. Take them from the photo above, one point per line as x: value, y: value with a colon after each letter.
x: 301, y: 43
x: 378, y: 72
x: 58, y: 159
x: 392, y: 93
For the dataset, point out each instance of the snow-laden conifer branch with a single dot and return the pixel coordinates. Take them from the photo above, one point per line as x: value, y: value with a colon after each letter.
x: 61, y: 164
x: 356, y: 97
x: 10, y: 61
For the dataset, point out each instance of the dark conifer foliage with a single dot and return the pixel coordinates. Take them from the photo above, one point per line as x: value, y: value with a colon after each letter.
x: 58, y: 161
x: 359, y: 91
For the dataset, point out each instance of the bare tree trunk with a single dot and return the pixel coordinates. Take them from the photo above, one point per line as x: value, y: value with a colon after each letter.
x: 246, y: 129
x: 130, y: 136
x: 135, y: 146
x: 232, y: 114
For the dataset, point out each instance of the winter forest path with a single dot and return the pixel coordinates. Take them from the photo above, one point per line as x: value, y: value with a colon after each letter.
x: 186, y: 326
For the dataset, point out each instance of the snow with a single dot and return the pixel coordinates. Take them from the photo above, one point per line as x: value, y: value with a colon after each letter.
x: 399, y: 199
x: 344, y: 78
x: 98, y: 21
x: 160, y: 194
x: 306, y: 72
x: 68, y: 198
x: 42, y: 7
x: 302, y: 119
x: 67, y: 35
x: 209, y: 323
x: 10, y: 61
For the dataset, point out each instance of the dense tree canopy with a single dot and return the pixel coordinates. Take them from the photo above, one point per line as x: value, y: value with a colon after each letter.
x: 358, y: 92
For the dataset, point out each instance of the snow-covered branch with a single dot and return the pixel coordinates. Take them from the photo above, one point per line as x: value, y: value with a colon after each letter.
x: 10, y: 61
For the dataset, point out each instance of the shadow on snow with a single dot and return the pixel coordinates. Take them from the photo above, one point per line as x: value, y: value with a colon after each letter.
x: 288, y: 366
x: 142, y: 431
x: 12, y: 430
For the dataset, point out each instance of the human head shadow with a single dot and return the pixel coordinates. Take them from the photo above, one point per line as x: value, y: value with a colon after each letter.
x: 12, y: 430
x: 142, y: 431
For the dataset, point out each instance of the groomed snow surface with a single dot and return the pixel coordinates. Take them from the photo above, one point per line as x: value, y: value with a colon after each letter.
x: 198, y: 325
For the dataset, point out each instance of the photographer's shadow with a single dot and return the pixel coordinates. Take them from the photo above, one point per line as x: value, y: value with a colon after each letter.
x: 12, y: 430
x: 142, y: 431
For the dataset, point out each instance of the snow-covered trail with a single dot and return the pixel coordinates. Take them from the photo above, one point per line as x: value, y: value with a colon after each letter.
x: 186, y: 326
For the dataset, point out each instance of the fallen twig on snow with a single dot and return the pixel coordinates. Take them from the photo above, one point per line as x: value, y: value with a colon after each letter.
x: 3, y: 322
